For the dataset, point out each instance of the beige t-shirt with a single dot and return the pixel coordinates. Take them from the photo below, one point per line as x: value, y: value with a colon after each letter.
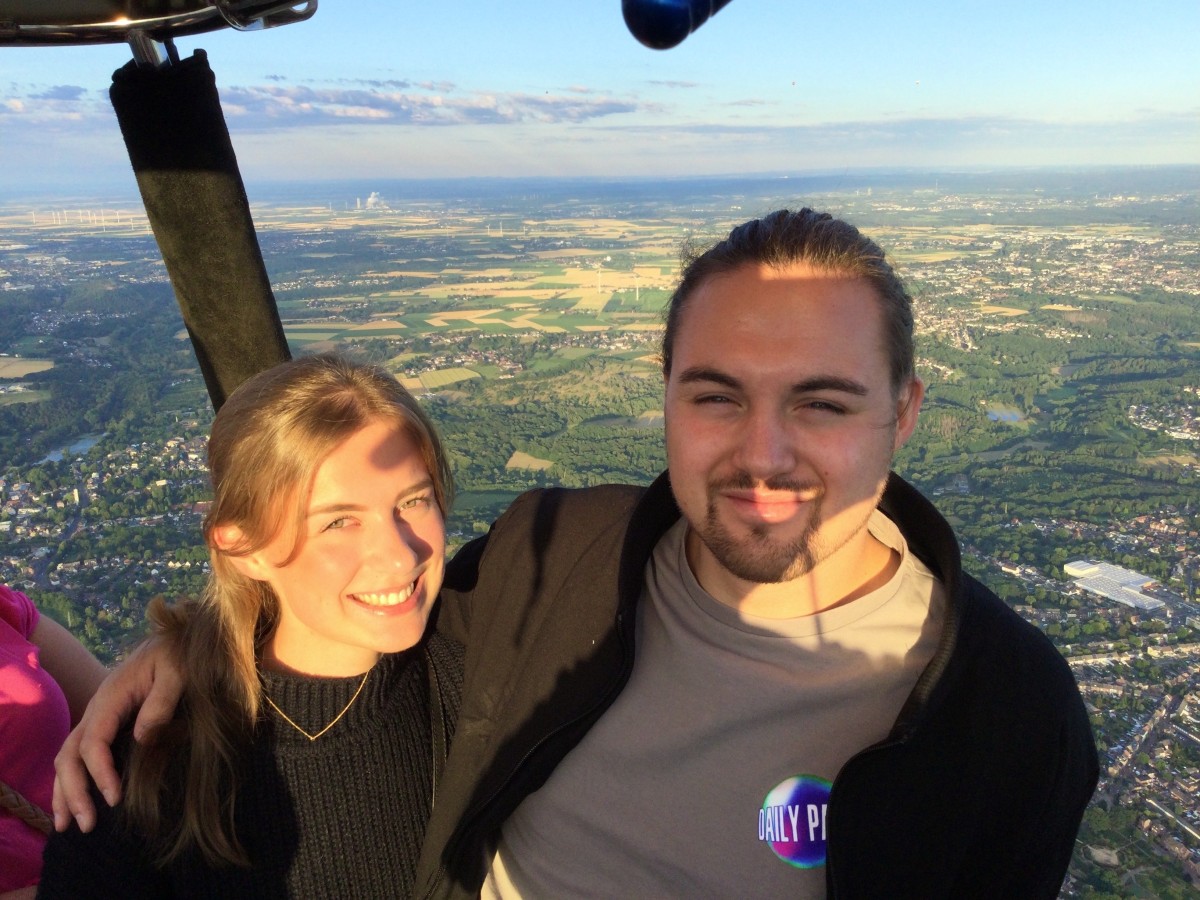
x: 708, y: 776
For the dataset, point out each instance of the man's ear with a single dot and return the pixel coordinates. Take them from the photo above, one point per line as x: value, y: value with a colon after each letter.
x: 228, y: 538
x: 908, y: 408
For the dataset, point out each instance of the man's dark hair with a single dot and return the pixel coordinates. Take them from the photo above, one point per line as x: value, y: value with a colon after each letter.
x: 785, y: 237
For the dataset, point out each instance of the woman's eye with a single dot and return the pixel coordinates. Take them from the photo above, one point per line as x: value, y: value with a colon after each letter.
x: 336, y: 523
x: 414, y: 502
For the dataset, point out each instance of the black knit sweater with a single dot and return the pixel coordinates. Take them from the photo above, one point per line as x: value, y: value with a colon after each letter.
x: 341, y: 816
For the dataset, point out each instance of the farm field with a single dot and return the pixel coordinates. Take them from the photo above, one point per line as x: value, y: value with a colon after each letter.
x: 1057, y: 336
x: 19, y: 367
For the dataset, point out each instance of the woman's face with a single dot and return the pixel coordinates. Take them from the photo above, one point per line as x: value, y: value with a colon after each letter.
x: 370, y: 563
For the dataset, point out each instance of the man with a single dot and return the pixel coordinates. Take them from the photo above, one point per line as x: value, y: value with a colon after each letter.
x: 767, y: 671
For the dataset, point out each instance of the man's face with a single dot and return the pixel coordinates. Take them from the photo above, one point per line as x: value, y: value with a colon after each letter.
x: 781, y: 422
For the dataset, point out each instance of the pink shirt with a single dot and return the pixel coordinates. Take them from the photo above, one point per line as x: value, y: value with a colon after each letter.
x: 34, y: 721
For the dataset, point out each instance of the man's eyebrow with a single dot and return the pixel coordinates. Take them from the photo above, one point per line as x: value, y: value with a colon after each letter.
x: 830, y: 383
x: 806, y: 386
x: 699, y: 373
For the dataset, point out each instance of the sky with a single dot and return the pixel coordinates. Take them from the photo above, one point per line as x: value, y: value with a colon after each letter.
x: 525, y: 88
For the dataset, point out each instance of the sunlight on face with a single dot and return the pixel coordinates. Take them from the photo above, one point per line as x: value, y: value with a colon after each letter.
x: 370, y: 564
x: 781, y: 424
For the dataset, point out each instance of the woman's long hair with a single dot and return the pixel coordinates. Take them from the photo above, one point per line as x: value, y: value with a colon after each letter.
x: 267, y: 442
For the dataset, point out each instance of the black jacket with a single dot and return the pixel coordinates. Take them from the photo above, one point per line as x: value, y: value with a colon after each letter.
x: 977, y: 792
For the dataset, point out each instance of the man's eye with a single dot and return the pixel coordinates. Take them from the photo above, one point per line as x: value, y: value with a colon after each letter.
x: 824, y: 406
x: 414, y: 502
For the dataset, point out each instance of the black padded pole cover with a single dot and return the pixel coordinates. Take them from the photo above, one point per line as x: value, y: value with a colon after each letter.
x: 188, y: 175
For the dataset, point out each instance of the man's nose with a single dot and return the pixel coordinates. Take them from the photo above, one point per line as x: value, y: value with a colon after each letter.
x: 766, y: 444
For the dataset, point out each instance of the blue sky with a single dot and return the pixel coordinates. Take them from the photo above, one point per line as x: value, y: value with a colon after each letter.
x: 399, y: 89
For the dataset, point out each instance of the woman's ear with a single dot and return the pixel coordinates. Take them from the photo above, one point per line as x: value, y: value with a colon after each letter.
x: 227, y: 540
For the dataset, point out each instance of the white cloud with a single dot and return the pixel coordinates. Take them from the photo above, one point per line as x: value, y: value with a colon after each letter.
x: 275, y: 106
x: 283, y: 131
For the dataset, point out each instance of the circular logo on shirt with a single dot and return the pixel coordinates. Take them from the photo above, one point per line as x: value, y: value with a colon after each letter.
x: 792, y: 820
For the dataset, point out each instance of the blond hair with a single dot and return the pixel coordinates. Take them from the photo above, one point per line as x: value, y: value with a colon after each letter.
x: 267, y: 442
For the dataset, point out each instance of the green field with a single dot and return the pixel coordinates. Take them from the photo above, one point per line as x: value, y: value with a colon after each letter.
x: 24, y: 397
x: 444, y: 377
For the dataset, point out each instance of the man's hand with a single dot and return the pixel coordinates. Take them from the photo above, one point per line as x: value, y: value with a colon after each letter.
x: 150, y: 676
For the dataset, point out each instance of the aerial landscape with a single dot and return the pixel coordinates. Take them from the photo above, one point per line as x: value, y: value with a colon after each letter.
x: 493, y: 202
x: 1057, y: 332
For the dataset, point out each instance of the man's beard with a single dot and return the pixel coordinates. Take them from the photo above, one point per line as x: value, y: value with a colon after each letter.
x: 758, y: 558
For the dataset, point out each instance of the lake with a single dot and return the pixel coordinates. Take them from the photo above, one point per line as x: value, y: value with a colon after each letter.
x: 82, y: 445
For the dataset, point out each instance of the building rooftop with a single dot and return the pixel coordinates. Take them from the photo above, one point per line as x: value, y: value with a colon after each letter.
x: 1113, y: 583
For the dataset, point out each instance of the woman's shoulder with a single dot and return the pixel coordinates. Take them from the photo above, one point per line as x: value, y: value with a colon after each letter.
x: 114, y: 859
x: 445, y: 652
x: 17, y: 611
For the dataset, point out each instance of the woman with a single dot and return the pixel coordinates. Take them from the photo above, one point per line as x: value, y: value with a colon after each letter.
x: 46, y: 680
x: 316, y: 710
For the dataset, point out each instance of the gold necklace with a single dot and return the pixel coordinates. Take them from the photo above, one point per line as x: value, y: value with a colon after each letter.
x: 336, y: 719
